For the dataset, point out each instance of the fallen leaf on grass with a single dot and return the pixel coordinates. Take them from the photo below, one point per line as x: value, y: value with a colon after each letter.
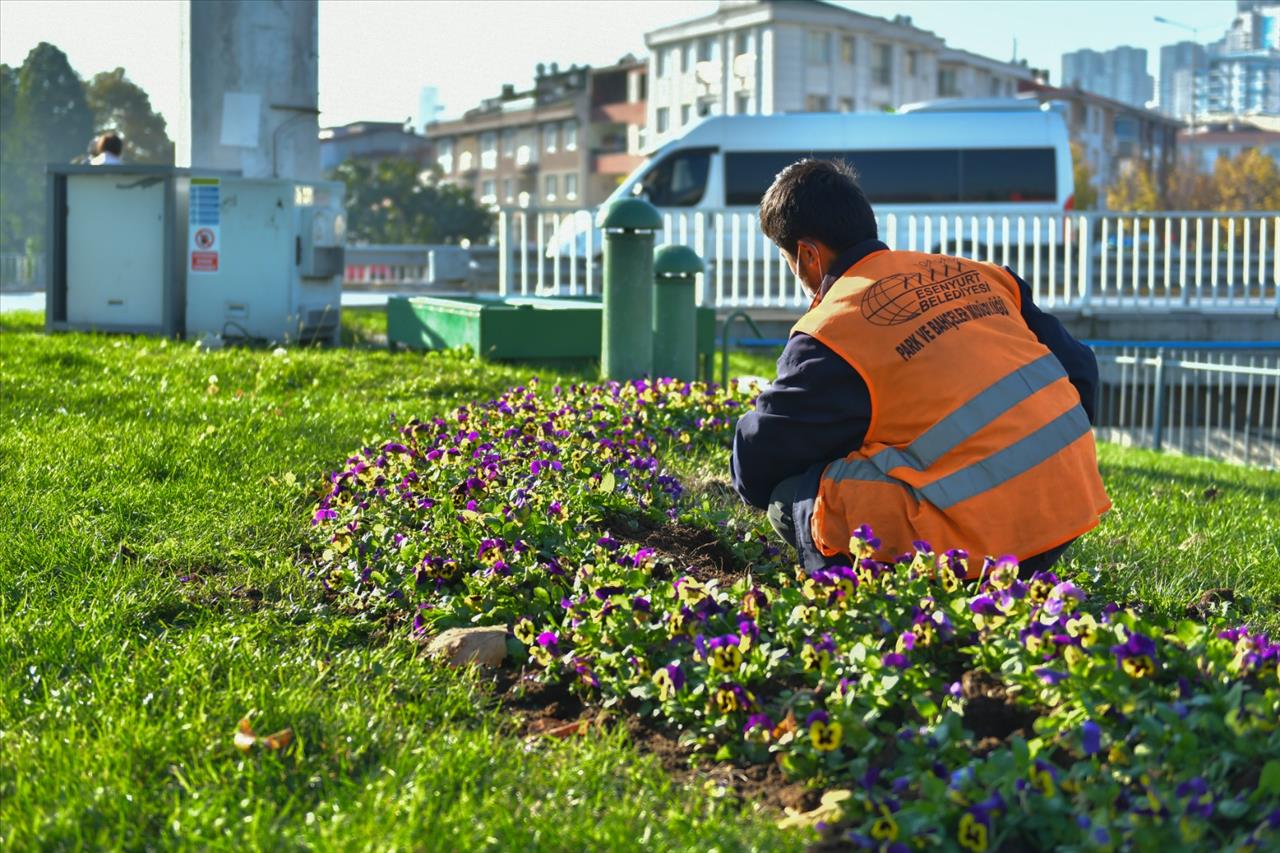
x: 246, y: 740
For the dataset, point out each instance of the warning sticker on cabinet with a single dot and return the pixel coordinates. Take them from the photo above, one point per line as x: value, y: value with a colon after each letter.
x: 205, y: 223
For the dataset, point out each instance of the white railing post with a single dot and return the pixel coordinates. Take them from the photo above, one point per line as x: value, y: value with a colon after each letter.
x: 503, y: 248
x: 1084, y: 271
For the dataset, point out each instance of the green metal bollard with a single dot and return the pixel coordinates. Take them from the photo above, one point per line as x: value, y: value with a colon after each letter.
x: 626, y: 329
x: 675, y: 325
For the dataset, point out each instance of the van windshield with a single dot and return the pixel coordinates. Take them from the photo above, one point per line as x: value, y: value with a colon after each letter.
x: 679, y: 179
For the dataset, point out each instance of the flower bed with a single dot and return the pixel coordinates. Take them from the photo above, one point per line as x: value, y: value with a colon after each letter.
x: 933, y: 711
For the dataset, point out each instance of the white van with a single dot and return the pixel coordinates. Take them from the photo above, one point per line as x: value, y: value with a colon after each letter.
x: 976, y: 165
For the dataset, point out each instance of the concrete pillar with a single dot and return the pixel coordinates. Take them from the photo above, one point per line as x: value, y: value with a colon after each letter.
x: 250, y: 99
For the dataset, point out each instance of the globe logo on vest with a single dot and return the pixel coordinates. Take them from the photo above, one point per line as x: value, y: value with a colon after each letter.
x: 891, y: 301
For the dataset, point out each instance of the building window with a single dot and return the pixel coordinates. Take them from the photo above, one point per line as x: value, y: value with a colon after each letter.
x: 659, y: 63
x: 882, y: 64
x: 571, y: 187
x: 464, y: 161
x: 846, y: 105
x: 743, y: 105
x: 488, y: 191
x: 549, y: 187
x: 741, y: 42
x: 444, y: 155
x: 706, y: 108
x: 509, y: 142
x: 995, y: 87
x: 684, y: 115
x: 848, y: 49
x: 947, y: 87
x: 687, y: 58
x: 913, y: 63
x: 818, y: 47
x: 523, y: 199
x: 662, y: 119
x: 549, y: 138
x: 706, y: 49
x: 508, y: 190
x: 817, y: 103
x: 571, y: 135
x: 489, y: 150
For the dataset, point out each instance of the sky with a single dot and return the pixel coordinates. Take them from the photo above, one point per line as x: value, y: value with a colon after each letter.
x: 376, y: 55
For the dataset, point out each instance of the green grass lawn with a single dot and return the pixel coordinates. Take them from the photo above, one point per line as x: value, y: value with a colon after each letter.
x: 154, y: 502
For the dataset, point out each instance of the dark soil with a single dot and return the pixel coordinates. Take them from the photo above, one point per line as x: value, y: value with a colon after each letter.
x: 1210, y: 603
x: 684, y: 549
x: 990, y: 713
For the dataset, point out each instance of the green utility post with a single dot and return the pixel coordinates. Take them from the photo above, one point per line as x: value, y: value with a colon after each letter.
x: 626, y: 330
x: 675, y: 325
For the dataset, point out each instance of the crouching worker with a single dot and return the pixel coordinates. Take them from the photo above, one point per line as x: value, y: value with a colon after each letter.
x: 923, y: 395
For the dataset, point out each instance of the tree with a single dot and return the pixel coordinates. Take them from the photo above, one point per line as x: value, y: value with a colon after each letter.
x: 51, y: 110
x: 1134, y: 190
x: 1086, y: 197
x: 121, y: 105
x: 1248, y: 181
x: 11, y: 184
x: 389, y: 202
x: 1189, y: 189
x: 50, y: 122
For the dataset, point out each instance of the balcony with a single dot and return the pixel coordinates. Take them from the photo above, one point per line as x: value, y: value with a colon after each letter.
x: 615, y: 163
x: 620, y: 112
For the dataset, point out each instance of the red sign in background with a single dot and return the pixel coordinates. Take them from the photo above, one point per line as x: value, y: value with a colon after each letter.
x: 204, y: 261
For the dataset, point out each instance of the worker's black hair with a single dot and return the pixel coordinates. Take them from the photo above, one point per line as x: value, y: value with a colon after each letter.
x: 820, y: 200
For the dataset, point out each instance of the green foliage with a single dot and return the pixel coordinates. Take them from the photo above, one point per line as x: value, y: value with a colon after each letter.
x: 1248, y: 181
x: 1001, y: 714
x: 121, y: 685
x: 50, y: 122
x: 1134, y: 190
x: 121, y: 105
x: 389, y: 202
x: 1086, y: 197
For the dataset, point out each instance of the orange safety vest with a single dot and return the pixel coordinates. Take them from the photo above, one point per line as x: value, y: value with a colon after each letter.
x: 977, y: 439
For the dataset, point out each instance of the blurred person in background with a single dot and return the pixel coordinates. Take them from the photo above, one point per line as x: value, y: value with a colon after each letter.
x: 106, y: 150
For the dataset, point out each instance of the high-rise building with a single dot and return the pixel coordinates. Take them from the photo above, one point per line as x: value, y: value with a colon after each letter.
x: 1179, y: 64
x: 1237, y: 75
x: 1119, y: 74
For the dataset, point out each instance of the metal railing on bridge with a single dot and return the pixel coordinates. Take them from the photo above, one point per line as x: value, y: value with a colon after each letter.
x: 1164, y: 261
x: 1214, y: 400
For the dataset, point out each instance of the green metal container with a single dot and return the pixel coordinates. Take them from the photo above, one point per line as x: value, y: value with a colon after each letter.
x: 627, y: 336
x: 675, y: 325
x: 524, y: 328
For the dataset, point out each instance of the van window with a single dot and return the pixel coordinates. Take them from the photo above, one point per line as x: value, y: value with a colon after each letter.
x: 920, y: 176
x: 679, y: 179
x: 1008, y: 174
x: 887, y: 177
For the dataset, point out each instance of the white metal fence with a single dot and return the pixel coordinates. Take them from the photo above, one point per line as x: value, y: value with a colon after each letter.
x: 1087, y: 261
x: 21, y: 271
x: 1220, y: 403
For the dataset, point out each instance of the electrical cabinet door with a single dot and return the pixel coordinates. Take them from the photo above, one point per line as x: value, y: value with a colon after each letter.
x: 116, y: 275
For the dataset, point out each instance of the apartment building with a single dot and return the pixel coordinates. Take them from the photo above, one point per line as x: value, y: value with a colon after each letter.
x: 369, y: 140
x: 1239, y: 74
x: 564, y: 144
x: 1220, y: 136
x: 770, y: 56
x: 1114, y: 136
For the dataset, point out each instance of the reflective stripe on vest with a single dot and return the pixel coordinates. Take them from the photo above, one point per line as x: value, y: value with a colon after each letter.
x: 982, y: 409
